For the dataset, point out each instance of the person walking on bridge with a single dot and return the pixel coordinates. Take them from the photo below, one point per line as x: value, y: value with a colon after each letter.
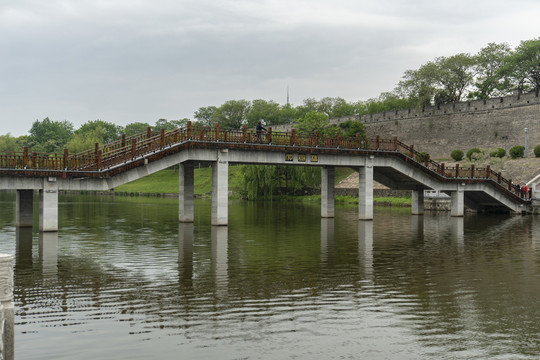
x: 259, y: 130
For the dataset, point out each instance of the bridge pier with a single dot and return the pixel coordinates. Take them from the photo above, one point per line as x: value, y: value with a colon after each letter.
x: 220, y: 188
x: 457, y: 206
x: 365, y: 191
x: 327, y: 191
x: 185, y: 192
x: 417, y: 202
x: 24, y: 208
x: 48, y: 207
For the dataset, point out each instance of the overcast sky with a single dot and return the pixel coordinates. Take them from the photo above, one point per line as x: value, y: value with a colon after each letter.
x: 124, y: 61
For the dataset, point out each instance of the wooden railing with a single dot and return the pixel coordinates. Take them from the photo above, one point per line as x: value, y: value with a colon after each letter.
x: 128, y: 149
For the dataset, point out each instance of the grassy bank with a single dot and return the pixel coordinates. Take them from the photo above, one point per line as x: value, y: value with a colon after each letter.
x: 166, y: 181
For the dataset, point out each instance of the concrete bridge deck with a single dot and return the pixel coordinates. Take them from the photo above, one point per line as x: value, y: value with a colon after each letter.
x: 387, y: 161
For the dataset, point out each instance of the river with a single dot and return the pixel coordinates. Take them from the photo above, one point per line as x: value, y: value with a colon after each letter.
x: 122, y: 279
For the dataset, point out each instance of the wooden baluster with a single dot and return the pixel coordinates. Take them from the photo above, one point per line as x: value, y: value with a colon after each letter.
x: 442, y: 169
x: 25, y: 157
x: 162, y: 138
x: 244, y: 133
x: 499, y: 176
x: 395, y: 143
x: 133, y: 148
x: 472, y: 171
x: 99, y: 160
x: 412, y: 151
x: 293, y: 137
x: 488, y: 172
x: 189, y: 129
x: 34, y: 160
x: 66, y: 158
x: 123, y: 140
x: 457, y: 170
x: 148, y: 132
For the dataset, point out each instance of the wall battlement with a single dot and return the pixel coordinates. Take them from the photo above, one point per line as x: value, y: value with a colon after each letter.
x: 506, y: 102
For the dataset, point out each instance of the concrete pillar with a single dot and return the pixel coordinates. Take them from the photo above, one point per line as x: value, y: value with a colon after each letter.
x: 417, y: 202
x: 185, y: 192
x: 48, y: 205
x: 220, y: 188
x: 457, y: 206
x: 7, y: 308
x: 327, y: 191
x: 24, y: 208
x: 365, y: 191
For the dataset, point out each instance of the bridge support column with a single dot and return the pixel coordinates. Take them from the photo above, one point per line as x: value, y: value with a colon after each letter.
x: 24, y: 212
x: 365, y: 191
x: 220, y: 188
x: 185, y: 192
x: 417, y: 202
x: 327, y: 191
x: 48, y: 205
x: 457, y: 206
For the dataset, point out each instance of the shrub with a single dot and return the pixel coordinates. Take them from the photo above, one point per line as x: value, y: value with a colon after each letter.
x: 457, y: 155
x: 422, y: 156
x: 537, y: 151
x: 517, y: 151
x: 471, y: 152
x: 499, y: 152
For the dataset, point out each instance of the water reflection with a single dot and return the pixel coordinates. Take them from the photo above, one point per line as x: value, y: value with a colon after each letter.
x: 275, y: 285
x: 48, y: 253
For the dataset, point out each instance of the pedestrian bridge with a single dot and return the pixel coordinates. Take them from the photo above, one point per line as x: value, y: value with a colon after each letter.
x: 386, y: 160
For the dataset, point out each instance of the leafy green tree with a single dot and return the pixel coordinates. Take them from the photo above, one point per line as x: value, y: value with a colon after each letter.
x: 169, y: 125
x: 286, y: 115
x: 109, y: 132
x: 206, y: 116
x: 524, y: 65
x: 490, y: 80
x: 232, y: 114
x: 315, y: 121
x: 49, y: 136
x: 351, y: 128
x: 268, y: 111
x: 419, y: 86
x: 86, y: 140
x: 517, y: 151
x: 136, y: 128
x: 8, y: 143
x: 455, y: 74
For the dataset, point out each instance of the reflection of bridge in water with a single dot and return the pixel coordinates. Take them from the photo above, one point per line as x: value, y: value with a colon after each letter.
x: 387, y: 161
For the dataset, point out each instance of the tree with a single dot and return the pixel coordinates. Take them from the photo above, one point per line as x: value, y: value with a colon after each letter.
x: 49, y: 136
x: 109, y: 132
x: 205, y: 116
x: 8, y: 143
x: 524, y: 65
x: 136, y: 128
x: 86, y: 140
x: 419, y: 86
x: 169, y: 125
x: 314, y: 121
x: 232, y: 114
x: 268, y: 111
x: 490, y: 81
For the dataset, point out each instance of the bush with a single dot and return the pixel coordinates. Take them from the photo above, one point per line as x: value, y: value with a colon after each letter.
x: 457, y: 155
x: 537, y: 151
x: 517, y: 151
x: 471, y: 152
x: 422, y: 156
x: 499, y: 152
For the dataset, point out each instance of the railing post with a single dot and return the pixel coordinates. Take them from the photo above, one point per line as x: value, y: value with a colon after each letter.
x: 442, y: 169
x: 293, y: 137
x: 96, y: 148
x: 65, y: 158
x: 217, y: 132
x: 244, y: 133
x: 162, y: 138
x: 358, y: 141
x: 499, y: 175
x: 133, y: 147
x: 189, y: 129
x: 488, y: 171
x: 337, y: 140
x: 457, y: 170
x: 269, y: 135
x: 412, y: 151
x: 123, y: 140
x: 510, y: 184
x: 34, y: 158
x: 99, y: 160
x: 395, y: 143
x: 377, y: 142
x: 148, y: 132
x: 25, y: 157
x: 472, y: 171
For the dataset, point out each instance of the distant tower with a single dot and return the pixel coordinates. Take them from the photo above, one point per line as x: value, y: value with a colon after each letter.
x: 287, y: 94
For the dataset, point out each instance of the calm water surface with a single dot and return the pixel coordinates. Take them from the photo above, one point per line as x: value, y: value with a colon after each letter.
x: 122, y: 279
